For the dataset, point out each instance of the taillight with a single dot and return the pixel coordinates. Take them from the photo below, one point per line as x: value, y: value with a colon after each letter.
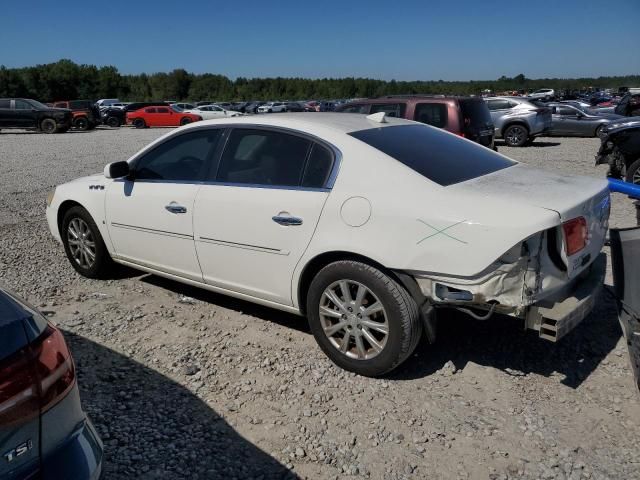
x: 18, y: 389
x: 575, y: 235
x: 53, y: 366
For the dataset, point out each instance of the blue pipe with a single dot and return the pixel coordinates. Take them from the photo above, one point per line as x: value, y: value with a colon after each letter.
x: 627, y: 188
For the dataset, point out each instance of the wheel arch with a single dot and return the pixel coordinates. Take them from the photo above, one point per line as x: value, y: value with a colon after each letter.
x: 321, y: 260
x: 63, y: 209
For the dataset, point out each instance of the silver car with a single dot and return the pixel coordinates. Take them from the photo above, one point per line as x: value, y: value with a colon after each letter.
x: 517, y: 120
x: 571, y: 120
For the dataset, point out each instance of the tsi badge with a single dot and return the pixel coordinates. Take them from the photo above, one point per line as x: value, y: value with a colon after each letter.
x: 21, y: 449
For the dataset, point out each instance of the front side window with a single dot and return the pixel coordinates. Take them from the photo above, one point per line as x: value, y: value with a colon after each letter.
x: 433, y: 153
x: 182, y: 158
x: 262, y: 157
x: 566, y: 111
x: 434, y: 114
x: 5, y: 104
x: 22, y: 105
x: 390, y: 109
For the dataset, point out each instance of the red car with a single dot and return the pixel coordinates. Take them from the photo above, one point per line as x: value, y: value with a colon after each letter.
x: 160, y: 117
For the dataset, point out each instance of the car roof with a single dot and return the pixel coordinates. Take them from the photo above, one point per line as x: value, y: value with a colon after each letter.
x: 309, y: 122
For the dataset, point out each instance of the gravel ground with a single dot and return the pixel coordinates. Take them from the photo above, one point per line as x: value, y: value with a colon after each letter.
x: 183, y: 383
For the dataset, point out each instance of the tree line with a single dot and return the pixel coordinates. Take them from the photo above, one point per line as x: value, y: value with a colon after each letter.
x: 66, y: 80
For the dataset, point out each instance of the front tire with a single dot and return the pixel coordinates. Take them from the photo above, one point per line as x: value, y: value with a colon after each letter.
x: 113, y: 122
x: 598, y: 133
x: 83, y: 244
x: 185, y: 121
x: 48, y: 125
x: 633, y: 172
x: 362, y: 319
x: 516, y: 135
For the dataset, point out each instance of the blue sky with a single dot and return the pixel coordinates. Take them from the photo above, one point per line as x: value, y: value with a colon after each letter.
x: 403, y: 40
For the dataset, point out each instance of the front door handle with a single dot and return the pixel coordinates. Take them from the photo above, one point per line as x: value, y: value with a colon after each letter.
x: 173, y: 207
x: 287, y: 220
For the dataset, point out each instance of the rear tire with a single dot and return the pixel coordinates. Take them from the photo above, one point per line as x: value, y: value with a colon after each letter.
x: 81, y: 123
x: 394, y: 326
x: 83, y: 244
x: 139, y: 123
x: 516, y: 135
x: 48, y: 125
x: 633, y: 172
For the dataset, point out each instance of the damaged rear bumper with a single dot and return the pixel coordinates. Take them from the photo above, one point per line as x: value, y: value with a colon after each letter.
x: 554, y: 321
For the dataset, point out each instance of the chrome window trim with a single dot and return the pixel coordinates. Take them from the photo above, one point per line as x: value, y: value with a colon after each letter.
x: 328, y: 186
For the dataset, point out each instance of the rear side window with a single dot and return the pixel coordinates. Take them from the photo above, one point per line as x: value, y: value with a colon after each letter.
x: 183, y: 158
x: 434, y: 154
x: 163, y: 110
x: 434, y: 114
x: 391, y: 109
x: 318, y: 167
x: 5, y: 104
x: 499, y: 104
x: 263, y: 157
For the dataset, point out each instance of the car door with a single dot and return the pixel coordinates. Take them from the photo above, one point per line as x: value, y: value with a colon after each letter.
x: 568, y: 120
x: 24, y: 113
x: 150, y: 216
x: 166, y: 118
x: 254, y: 220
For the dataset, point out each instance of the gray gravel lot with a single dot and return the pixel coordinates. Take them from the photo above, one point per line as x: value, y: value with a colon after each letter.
x: 183, y: 383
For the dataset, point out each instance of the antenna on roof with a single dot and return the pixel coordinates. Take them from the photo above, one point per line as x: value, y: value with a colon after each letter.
x: 379, y: 117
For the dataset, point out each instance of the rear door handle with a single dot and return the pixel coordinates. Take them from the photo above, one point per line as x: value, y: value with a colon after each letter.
x: 287, y: 220
x: 173, y: 207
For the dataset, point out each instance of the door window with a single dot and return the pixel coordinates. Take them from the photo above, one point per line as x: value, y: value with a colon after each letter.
x: 391, y: 109
x: 150, y: 110
x: 432, y: 114
x: 498, y: 104
x: 22, y: 105
x: 262, y: 157
x: 183, y: 158
x: 355, y: 109
x: 163, y: 110
x: 566, y: 111
x: 5, y: 104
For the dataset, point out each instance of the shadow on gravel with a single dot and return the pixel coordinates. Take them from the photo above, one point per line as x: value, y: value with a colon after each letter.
x: 285, y: 319
x: 501, y: 343
x: 154, y: 428
x: 535, y: 143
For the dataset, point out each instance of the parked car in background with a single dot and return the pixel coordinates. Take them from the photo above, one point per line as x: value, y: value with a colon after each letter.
x: 44, y: 433
x: 160, y: 116
x: 106, y: 102
x: 272, y: 107
x: 205, y: 102
x: 86, y: 114
x: 629, y: 105
x: 293, y: 107
x: 326, y: 106
x: 517, y: 120
x: 465, y: 116
x: 115, y: 117
x: 312, y: 230
x: 184, y: 106
x: 209, y: 112
x: 252, y: 107
x: 571, y: 121
x: 25, y: 113
x: 542, y: 94
x: 312, y: 106
x: 620, y: 149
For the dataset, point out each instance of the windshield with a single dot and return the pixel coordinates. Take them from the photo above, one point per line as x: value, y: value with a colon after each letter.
x: 37, y: 104
x: 435, y: 154
x: 177, y: 109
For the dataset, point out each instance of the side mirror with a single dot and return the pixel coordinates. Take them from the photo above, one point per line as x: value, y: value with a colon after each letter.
x: 117, y: 170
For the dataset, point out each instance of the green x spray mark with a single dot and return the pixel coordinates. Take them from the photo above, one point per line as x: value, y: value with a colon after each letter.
x: 441, y: 231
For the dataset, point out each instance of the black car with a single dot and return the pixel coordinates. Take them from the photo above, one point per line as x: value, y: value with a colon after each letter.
x: 294, y: 107
x: 620, y: 149
x: 252, y: 107
x: 115, y: 117
x: 30, y: 114
x: 44, y: 433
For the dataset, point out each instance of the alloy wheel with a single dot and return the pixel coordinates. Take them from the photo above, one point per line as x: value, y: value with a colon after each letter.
x: 516, y: 135
x: 81, y: 242
x: 636, y: 177
x: 354, y: 320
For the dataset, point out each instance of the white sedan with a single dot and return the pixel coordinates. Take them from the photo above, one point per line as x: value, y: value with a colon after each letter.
x: 212, y: 112
x: 272, y: 107
x: 365, y: 225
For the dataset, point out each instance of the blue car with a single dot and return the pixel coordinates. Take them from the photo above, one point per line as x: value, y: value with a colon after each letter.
x: 44, y: 433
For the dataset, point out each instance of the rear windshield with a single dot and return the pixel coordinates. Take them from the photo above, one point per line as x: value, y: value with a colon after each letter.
x: 435, y: 154
x: 476, y: 111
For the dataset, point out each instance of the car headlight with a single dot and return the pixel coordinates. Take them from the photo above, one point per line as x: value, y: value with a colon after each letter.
x: 50, y: 196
